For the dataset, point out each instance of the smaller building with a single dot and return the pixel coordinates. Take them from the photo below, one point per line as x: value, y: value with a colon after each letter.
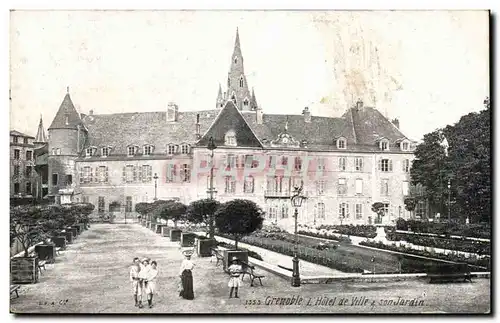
x: 22, y: 162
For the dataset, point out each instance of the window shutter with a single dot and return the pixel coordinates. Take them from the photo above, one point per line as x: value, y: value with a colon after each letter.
x: 380, y: 164
x: 81, y: 175
x: 188, y: 173
x: 134, y: 168
x: 139, y: 173
x: 124, y: 174
x: 150, y: 170
x: 106, y: 174
x: 390, y: 165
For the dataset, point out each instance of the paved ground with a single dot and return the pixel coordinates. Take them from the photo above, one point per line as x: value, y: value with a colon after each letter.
x: 92, y: 277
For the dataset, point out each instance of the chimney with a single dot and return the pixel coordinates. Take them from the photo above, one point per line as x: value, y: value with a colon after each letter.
x: 307, y: 115
x: 395, y: 122
x: 359, y: 104
x: 259, y: 115
x: 198, y: 135
x: 172, y: 112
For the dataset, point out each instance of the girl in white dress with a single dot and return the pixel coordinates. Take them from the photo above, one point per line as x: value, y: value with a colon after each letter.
x: 235, y: 281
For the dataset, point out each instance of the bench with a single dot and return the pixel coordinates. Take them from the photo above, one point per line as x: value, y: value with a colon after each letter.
x: 219, y: 256
x: 449, y: 273
x: 14, y: 289
x: 250, y: 271
x: 41, y: 264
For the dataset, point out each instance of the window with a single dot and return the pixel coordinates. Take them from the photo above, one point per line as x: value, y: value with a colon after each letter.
x: 102, y: 174
x: 85, y: 175
x: 320, y: 207
x: 185, y: 173
x: 359, y: 164
x: 185, y: 149
x: 341, y: 143
x: 284, y: 211
x: 171, y: 149
x: 230, y: 184
x: 386, y: 209
x: 298, y: 163
x: 28, y: 188
x: 148, y: 150
x: 128, y: 204
x: 406, y: 165
x: 131, y: 151
x: 359, y: 186
x: 16, y: 170
x: 420, y: 209
x: 384, y: 145
x: 230, y: 138
x: 343, y: 211
x: 55, y: 178
x: 105, y: 152
x: 100, y: 204
x: 241, y: 82
x: 147, y: 171
x: 320, y: 187
x: 273, y: 211
x: 129, y: 174
x: 233, y: 98
x: 15, y: 139
x: 405, y: 146
x: 245, y: 102
x: 235, y: 59
x: 25, y: 140
x: 384, y: 189
x: 385, y: 165
x: 16, y: 185
x: 69, y: 179
x: 58, y: 151
x: 359, y: 211
x: 405, y: 188
x: 248, y: 185
x: 29, y: 154
x: 16, y: 154
x: 171, y: 172
x: 342, y: 163
x: 85, y: 199
x: 342, y: 188
x: 230, y: 162
x: 28, y: 170
x: 321, y: 164
x: 284, y: 161
x: 88, y: 152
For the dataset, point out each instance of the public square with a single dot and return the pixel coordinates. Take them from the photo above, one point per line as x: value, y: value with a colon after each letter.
x: 92, y: 276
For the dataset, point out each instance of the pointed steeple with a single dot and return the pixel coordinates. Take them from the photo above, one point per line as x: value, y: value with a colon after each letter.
x: 40, y: 134
x: 253, y: 102
x: 66, y: 117
x: 237, y: 47
x: 220, y: 100
x: 237, y: 87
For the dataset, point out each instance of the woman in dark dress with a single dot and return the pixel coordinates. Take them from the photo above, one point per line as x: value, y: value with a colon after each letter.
x: 186, y: 275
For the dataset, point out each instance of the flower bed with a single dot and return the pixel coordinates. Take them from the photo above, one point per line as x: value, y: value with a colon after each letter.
x: 367, y: 231
x: 475, y: 261
x: 252, y: 254
x: 479, y: 247
x: 343, y: 239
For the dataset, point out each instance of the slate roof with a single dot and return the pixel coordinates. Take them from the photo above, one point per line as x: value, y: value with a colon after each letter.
x: 66, y: 109
x: 120, y: 130
x: 20, y: 134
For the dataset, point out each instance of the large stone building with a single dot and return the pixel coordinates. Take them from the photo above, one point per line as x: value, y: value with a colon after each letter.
x: 345, y: 164
x: 21, y: 164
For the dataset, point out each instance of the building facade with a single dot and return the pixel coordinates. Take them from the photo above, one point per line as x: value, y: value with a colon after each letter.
x: 345, y: 164
x: 22, y: 175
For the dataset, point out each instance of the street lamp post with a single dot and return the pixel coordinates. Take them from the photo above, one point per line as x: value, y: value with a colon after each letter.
x: 156, y: 185
x: 296, y: 199
x: 211, y: 190
x: 449, y: 201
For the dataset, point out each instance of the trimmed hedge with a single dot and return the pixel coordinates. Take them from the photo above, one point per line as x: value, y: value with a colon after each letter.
x: 367, y: 231
x: 482, y: 230
x: 343, y: 239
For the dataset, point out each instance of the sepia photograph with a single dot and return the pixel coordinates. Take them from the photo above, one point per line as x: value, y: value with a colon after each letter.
x: 250, y: 162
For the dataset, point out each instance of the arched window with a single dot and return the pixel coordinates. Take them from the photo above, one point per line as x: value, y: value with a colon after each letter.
x: 245, y: 102
x: 241, y: 81
x: 230, y: 138
x: 341, y: 143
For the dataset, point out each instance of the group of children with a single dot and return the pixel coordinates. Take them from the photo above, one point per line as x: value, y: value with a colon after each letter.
x: 143, y: 277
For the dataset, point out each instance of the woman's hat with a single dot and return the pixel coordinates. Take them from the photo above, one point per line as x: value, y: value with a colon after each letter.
x: 187, y: 253
x: 234, y: 259
x: 145, y: 259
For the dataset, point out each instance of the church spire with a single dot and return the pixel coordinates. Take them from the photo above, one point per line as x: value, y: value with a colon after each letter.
x: 40, y: 134
x: 237, y: 87
x: 220, y: 100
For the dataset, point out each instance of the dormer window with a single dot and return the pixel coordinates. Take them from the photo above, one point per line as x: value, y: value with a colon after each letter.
x: 171, y: 149
x: 241, y: 81
x: 89, y: 152
x: 341, y: 143
x: 105, y: 152
x: 148, y: 150
x: 230, y: 138
x: 384, y: 145
x: 131, y: 150
x: 405, y: 145
x: 184, y: 149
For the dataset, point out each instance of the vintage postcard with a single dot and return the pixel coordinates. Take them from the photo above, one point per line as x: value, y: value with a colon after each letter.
x: 269, y: 162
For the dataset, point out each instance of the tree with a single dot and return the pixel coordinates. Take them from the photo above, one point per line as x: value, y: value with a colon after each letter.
x: 143, y: 208
x: 410, y: 204
x: 202, y: 211
x: 160, y: 209
x: 239, y: 218
x: 177, y: 212
x: 378, y: 208
x: 27, y: 224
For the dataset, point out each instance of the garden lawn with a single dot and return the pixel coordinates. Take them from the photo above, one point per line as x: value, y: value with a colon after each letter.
x: 93, y: 276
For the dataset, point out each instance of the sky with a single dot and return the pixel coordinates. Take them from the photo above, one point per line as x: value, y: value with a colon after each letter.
x: 426, y: 68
